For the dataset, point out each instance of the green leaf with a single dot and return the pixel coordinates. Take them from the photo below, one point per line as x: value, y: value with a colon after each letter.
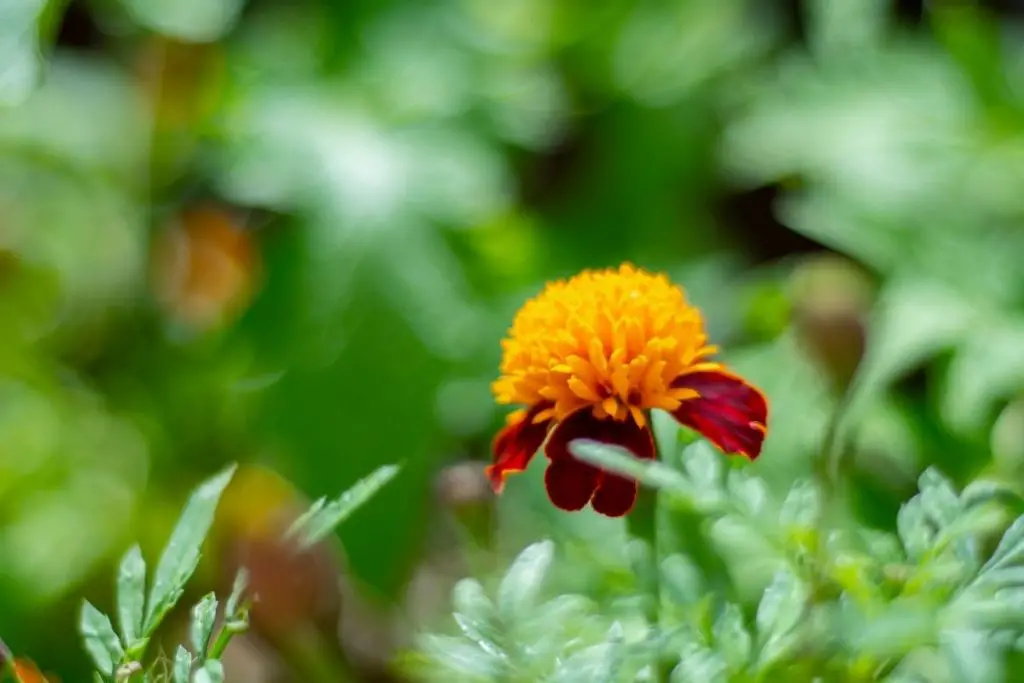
x: 204, y: 614
x: 181, y: 556
x: 698, y: 664
x: 781, y: 605
x: 306, y: 517
x: 732, y: 638
x: 131, y: 596
x: 703, y: 466
x: 182, y: 665
x: 802, y: 506
x: 211, y: 672
x: 972, y: 657
x: 616, y: 459
x: 190, y: 20
x: 914, y: 530
x: 327, y: 517
x: 101, y: 640
x: 1010, y: 548
x: 234, y: 603
x: 521, y: 584
x: 20, y: 58
x: 681, y: 580
x: 458, y: 656
x: 475, y: 614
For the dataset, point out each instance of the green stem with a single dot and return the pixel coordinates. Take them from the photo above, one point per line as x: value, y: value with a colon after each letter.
x: 643, y: 524
x: 220, y: 644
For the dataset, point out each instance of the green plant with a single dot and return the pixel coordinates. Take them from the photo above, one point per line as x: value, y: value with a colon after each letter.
x: 119, y: 655
x: 750, y: 588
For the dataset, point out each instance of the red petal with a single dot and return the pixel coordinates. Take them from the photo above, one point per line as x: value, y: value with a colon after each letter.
x: 571, y: 483
x: 567, y: 479
x: 728, y: 412
x: 616, y: 495
x: 515, y: 445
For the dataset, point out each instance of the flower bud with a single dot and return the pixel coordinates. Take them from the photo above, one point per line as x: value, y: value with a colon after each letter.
x: 831, y: 302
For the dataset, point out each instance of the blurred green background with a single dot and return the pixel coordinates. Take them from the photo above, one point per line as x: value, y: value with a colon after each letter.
x: 291, y: 234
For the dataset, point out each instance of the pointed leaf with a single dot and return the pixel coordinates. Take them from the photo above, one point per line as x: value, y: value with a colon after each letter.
x: 204, y: 614
x: 522, y: 582
x: 182, y: 665
x: 617, y: 459
x: 972, y: 657
x: 1010, y: 548
x: 802, y: 506
x: 327, y: 518
x: 235, y: 600
x: 732, y: 638
x: 181, y: 556
x: 101, y: 640
x: 460, y: 657
x: 781, y: 605
x: 211, y: 672
x: 131, y: 595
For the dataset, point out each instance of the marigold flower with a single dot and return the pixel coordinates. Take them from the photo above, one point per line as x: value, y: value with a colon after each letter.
x: 588, y: 358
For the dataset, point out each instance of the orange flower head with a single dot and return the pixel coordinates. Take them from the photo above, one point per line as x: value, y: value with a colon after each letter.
x: 588, y: 357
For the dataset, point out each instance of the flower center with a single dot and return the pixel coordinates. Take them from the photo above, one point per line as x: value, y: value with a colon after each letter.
x: 613, y: 340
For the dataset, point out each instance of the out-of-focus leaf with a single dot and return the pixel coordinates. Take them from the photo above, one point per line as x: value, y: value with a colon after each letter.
x: 475, y: 615
x: 972, y: 657
x: 327, y: 517
x: 462, y: 658
x: 192, y: 20
x: 100, y: 639
x: 211, y: 672
x: 521, y: 584
x: 698, y: 664
x: 235, y: 600
x: 1010, y: 548
x: 802, y: 506
x: 915, y: 531
x: 596, y: 664
x: 778, y: 614
x: 732, y: 638
x: 841, y: 30
x: 617, y: 459
x: 181, y: 556
x: 182, y: 665
x: 20, y: 52
x: 131, y: 595
x: 681, y: 580
x: 204, y: 615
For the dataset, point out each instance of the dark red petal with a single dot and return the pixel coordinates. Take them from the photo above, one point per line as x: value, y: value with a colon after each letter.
x: 583, y: 425
x: 515, y: 445
x: 728, y: 412
x: 567, y: 479
x: 571, y: 483
x: 615, y: 496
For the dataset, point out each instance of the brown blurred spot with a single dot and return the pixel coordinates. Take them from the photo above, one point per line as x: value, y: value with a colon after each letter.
x: 463, y: 484
x: 204, y: 267
x: 831, y: 301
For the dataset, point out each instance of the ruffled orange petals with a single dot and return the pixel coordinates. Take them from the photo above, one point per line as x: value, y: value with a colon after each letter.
x: 516, y: 444
x: 572, y: 484
x: 728, y: 412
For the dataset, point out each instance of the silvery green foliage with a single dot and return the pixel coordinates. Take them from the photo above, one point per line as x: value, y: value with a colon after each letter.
x: 792, y: 592
x: 119, y: 656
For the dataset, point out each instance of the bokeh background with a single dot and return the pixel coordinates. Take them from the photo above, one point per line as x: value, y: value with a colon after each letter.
x: 291, y: 235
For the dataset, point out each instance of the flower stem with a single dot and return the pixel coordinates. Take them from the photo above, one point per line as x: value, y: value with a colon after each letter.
x: 643, y: 525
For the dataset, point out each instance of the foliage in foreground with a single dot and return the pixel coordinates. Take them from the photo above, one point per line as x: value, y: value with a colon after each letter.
x: 119, y: 655
x: 758, y: 589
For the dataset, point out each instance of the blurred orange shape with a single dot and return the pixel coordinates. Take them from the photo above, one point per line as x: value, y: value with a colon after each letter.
x: 205, y: 267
